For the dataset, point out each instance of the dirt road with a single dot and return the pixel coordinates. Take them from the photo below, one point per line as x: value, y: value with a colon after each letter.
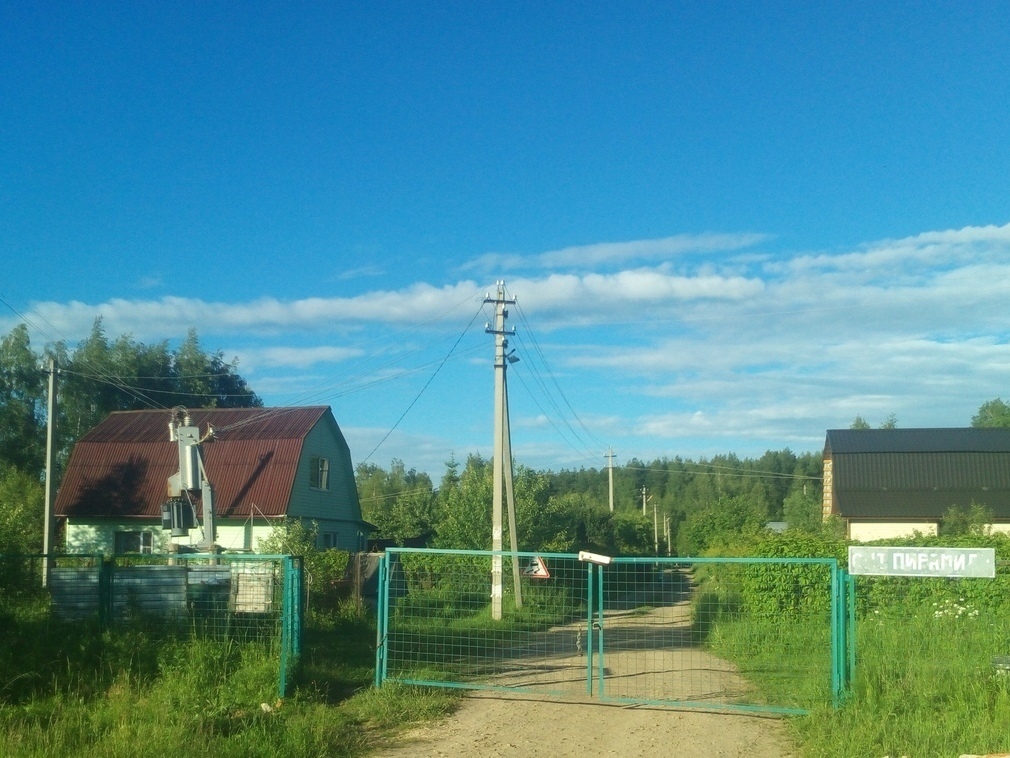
x: 647, y: 652
x: 488, y: 726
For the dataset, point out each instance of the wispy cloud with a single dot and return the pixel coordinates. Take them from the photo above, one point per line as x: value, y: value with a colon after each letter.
x: 608, y: 254
x: 296, y: 357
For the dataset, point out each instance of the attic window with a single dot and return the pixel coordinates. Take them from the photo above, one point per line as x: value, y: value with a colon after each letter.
x: 319, y: 473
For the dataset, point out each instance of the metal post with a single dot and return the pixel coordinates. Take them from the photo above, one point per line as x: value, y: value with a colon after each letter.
x: 510, y: 499
x: 610, y: 469
x: 49, y: 534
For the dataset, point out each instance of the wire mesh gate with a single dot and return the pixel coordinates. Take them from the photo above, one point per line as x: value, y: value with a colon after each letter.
x: 763, y: 634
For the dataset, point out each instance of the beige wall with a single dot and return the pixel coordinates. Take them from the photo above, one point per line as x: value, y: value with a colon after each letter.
x: 827, y: 503
x: 868, y: 531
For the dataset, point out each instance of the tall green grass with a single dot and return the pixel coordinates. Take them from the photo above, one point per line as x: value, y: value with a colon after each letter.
x: 75, y: 689
x: 925, y: 683
x: 925, y: 686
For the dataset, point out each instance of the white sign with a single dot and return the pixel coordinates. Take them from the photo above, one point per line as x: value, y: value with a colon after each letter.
x: 950, y: 562
x: 536, y: 568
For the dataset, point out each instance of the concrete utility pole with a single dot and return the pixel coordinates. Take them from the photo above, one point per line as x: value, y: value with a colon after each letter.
x: 655, y: 527
x: 644, y: 501
x: 610, y: 467
x: 502, y: 463
x: 49, y: 535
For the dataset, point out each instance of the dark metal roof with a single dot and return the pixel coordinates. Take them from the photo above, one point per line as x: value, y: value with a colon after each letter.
x: 949, y: 440
x: 121, y: 467
x: 918, y: 473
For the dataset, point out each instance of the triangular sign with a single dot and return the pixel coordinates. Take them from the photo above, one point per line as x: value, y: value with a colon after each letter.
x: 536, y: 568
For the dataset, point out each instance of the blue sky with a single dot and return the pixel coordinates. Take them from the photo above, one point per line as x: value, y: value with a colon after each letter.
x: 730, y: 226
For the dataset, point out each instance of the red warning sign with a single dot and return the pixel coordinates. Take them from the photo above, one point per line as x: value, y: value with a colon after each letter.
x: 536, y: 568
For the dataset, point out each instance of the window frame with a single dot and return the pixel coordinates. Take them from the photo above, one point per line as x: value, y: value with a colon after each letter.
x: 319, y: 473
x: 144, y: 541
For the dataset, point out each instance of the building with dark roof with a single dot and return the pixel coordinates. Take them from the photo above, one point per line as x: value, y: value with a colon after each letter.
x: 893, y: 482
x: 265, y: 465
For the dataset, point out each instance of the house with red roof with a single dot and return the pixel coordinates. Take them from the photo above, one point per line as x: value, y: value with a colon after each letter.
x: 265, y: 465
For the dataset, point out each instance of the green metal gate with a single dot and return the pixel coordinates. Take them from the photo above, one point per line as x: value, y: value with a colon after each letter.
x: 752, y: 634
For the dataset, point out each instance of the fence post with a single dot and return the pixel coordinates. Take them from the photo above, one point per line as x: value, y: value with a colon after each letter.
x: 291, y: 621
x: 599, y: 627
x: 589, y: 628
x: 851, y: 582
x: 106, y: 607
x: 381, y: 620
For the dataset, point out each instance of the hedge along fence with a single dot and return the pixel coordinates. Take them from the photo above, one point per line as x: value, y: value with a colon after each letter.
x: 796, y: 589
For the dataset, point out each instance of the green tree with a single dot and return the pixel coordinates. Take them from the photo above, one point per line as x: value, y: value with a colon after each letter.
x: 802, y: 511
x: 98, y: 377
x: 859, y: 423
x: 400, y: 502
x: 992, y: 413
x: 958, y: 520
x: 22, y: 498
x: 22, y: 404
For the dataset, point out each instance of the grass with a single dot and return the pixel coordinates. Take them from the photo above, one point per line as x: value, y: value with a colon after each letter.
x: 924, y: 686
x: 71, y: 690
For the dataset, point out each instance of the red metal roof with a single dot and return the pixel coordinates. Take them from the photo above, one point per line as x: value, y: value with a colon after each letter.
x: 120, y: 468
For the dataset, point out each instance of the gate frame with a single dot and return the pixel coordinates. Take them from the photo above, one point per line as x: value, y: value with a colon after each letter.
x: 842, y: 619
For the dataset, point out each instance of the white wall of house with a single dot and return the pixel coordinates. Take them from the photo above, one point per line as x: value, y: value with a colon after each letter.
x: 99, y: 535
x: 868, y: 531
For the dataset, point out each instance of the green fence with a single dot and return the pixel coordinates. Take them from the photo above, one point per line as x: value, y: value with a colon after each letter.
x: 761, y: 634
x: 253, y: 599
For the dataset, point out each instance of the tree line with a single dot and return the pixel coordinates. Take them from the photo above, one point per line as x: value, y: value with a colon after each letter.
x: 702, y: 501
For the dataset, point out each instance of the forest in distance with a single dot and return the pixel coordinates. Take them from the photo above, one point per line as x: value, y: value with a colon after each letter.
x: 665, y: 506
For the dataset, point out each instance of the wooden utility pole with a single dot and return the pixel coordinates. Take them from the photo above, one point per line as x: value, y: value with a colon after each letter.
x: 610, y: 467
x: 49, y: 535
x: 502, y: 454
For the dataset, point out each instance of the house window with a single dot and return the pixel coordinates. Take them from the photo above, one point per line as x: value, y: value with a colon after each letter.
x: 330, y: 540
x: 319, y: 473
x: 134, y: 542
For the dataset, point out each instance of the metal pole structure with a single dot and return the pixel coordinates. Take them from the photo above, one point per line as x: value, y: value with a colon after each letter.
x: 643, y: 500
x: 610, y: 467
x: 499, y: 435
x: 49, y: 536
x: 510, y: 498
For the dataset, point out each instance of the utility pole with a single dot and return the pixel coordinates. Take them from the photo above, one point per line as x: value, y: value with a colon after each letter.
x: 610, y: 467
x: 644, y: 501
x: 49, y: 535
x: 501, y: 445
x: 666, y: 532
x: 655, y: 527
